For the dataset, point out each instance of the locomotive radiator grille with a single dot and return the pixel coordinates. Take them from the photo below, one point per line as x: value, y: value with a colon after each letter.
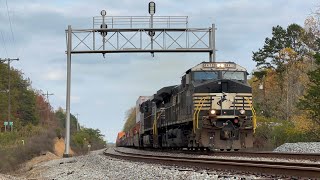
x: 229, y: 103
x: 205, y: 104
x: 242, y: 101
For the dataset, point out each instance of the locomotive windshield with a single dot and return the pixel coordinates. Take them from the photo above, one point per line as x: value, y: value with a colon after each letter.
x: 236, y: 75
x: 205, y: 75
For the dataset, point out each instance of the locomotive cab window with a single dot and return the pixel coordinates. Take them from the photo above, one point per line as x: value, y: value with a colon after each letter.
x: 235, y: 75
x: 205, y: 75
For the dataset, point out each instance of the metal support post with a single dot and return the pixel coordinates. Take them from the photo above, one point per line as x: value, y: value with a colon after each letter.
x: 151, y: 35
x: 67, y: 138
x: 213, y: 43
x: 210, y: 45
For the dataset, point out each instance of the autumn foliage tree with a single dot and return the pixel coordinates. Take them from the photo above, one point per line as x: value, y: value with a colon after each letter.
x: 130, y: 119
x: 311, y: 100
x: 288, y: 70
x: 282, y: 65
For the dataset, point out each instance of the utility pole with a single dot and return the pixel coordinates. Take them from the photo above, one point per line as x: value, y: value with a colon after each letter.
x: 9, y: 85
x: 47, y: 95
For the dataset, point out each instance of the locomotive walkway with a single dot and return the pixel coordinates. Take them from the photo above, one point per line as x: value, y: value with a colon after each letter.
x: 283, y: 169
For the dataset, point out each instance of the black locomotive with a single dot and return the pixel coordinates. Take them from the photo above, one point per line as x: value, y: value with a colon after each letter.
x: 210, y: 109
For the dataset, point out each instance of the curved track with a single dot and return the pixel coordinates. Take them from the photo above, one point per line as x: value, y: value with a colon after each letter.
x: 288, y: 169
x: 253, y: 154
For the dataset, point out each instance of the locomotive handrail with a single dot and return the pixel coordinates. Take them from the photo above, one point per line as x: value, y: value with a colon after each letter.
x: 254, y: 117
x: 196, y: 113
x: 197, y: 123
x: 155, y: 129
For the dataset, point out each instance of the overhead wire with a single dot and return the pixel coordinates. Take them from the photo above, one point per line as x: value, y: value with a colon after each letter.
x: 13, y: 41
x: 4, y: 44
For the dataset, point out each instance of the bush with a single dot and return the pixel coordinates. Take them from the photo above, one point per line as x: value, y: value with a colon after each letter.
x: 11, y: 157
x: 81, y: 139
x: 272, y: 133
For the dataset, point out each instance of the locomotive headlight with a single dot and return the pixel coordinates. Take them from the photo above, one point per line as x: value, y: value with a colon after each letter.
x: 242, y: 111
x: 220, y: 65
x: 212, y: 112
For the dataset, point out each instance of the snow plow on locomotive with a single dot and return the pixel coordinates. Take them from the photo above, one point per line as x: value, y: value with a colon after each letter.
x: 210, y: 109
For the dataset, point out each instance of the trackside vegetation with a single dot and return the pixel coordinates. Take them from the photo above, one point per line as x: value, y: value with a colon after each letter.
x: 36, y: 124
x: 286, y: 85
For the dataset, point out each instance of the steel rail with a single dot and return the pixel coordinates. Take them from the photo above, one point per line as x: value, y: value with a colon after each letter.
x: 289, y: 169
x: 260, y: 154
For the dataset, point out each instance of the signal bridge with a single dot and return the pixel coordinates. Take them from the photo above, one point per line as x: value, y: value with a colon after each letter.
x: 142, y: 34
x: 136, y: 34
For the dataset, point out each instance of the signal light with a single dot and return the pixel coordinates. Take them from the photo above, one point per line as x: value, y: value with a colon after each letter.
x: 152, y: 8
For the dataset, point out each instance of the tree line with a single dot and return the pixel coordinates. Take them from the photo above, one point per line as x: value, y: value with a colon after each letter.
x: 36, y: 123
x: 286, y: 84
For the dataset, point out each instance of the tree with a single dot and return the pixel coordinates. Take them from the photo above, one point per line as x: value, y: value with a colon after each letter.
x: 130, y: 119
x: 86, y: 136
x: 282, y: 38
x: 282, y: 64
x: 61, y: 118
x: 311, y: 100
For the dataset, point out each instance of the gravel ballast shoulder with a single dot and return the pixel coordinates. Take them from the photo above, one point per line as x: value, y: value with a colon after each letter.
x: 98, y: 166
x: 300, y: 147
x: 8, y: 177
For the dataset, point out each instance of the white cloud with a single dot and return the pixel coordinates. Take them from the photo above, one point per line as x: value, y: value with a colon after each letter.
x: 55, y: 75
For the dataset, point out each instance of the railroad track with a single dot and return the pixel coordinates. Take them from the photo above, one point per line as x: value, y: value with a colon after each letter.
x: 287, y: 169
x: 261, y: 154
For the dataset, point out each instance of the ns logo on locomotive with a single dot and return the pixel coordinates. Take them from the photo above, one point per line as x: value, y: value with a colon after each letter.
x: 210, y: 109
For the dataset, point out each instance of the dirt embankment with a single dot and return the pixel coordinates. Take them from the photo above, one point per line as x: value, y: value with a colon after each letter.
x: 59, y: 147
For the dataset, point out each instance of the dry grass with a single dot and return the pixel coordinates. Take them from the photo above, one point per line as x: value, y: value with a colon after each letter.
x: 11, y: 158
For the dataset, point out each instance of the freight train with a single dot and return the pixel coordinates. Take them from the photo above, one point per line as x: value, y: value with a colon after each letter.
x: 210, y: 110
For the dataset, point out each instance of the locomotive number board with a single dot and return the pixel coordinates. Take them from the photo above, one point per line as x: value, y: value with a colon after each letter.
x: 219, y: 65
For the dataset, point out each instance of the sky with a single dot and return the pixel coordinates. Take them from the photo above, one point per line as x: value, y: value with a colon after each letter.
x: 103, y: 89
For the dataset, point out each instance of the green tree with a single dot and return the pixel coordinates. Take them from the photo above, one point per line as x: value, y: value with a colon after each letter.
x: 311, y: 100
x: 60, y: 114
x: 130, y: 119
x: 283, y: 63
x: 268, y: 56
x: 87, y: 136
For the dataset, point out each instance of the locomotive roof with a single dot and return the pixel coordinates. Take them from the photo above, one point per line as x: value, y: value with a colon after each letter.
x: 209, y: 66
x: 165, y: 91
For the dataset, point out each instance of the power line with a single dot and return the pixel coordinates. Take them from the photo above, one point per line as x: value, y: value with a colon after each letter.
x: 10, y: 22
x: 4, y: 44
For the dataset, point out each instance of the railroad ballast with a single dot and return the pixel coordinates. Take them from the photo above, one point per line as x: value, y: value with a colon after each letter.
x: 210, y: 109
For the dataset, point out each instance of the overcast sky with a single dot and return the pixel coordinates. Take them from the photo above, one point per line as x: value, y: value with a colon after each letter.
x: 104, y: 89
